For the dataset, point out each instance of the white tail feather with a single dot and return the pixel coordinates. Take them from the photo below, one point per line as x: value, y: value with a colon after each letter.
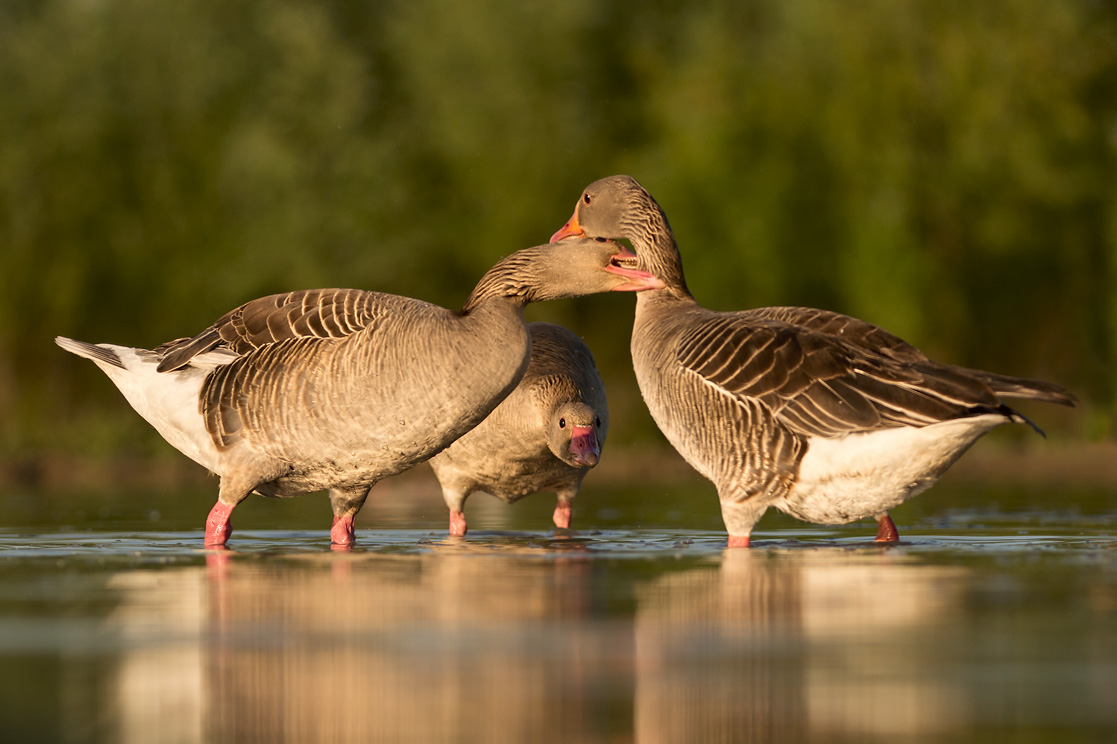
x: 168, y: 401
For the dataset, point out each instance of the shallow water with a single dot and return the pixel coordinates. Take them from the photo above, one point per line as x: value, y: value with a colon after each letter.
x: 984, y: 624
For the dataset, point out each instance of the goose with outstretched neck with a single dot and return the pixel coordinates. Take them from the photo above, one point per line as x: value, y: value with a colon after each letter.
x: 822, y: 416
x: 338, y: 388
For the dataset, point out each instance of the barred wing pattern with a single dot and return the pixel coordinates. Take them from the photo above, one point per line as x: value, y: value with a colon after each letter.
x: 263, y: 370
x: 878, y: 342
x: 820, y: 384
x: 316, y: 313
x: 855, y: 332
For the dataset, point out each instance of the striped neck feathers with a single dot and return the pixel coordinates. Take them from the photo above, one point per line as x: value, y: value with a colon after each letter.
x: 644, y: 223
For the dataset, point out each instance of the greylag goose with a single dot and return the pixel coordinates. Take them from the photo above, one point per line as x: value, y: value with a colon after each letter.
x: 825, y: 417
x: 337, y: 388
x: 543, y: 437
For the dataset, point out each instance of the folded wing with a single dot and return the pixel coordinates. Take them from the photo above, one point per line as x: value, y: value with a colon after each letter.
x: 825, y: 374
x: 316, y: 313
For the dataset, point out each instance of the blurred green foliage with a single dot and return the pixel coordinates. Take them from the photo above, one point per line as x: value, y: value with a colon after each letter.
x: 943, y: 168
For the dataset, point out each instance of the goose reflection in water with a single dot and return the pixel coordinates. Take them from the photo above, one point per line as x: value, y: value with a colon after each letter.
x: 788, y: 647
x: 502, y: 643
x: 447, y: 646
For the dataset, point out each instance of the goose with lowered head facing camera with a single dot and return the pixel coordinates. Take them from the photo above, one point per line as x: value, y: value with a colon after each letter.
x: 545, y: 436
x: 822, y: 416
x: 338, y: 388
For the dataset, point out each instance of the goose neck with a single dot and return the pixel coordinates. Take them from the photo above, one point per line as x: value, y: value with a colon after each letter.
x: 511, y: 282
x: 659, y: 255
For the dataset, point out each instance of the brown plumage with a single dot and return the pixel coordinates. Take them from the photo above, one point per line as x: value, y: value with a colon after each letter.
x: 821, y: 415
x: 337, y: 388
x: 543, y: 437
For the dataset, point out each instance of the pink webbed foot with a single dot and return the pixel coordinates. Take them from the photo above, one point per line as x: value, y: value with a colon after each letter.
x: 219, y: 526
x: 886, y: 530
x: 562, y: 515
x: 458, y: 527
x: 343, y: 530
x: 738, y: 541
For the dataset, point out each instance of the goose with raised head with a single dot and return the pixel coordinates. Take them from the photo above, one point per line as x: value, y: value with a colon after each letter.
x: 825, y: 417
x: 338, y: 388
x: 544, y: 436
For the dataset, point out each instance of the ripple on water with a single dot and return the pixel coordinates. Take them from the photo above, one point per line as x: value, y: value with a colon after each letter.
x: 980, y: 536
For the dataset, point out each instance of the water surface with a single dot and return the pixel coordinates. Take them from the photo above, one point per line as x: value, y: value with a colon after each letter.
x: 986, y: 624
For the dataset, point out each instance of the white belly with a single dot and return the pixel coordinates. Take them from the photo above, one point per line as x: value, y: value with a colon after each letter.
x: 862, y: 475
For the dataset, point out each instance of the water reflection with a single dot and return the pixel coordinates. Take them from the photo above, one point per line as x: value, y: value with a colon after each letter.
x: 446, y: 646
x: 158, y: 680
x: 718, y: 653
x: 770, y: 647
x: 498, y: 643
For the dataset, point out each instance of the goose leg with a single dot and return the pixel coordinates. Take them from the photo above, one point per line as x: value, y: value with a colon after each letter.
x: 564, y: 509
x: 458, y: 526
x: 346, y: 502
x: 219, y: 524
x: 562, y: 514
x: 455, y: 501
x: 343, y: 530
x: 740, y: 515
x: 886, y: 529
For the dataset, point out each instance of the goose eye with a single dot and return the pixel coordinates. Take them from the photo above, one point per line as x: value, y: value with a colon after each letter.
x: 562, y: 423
x: 585, y: 198
x: 597, y: 422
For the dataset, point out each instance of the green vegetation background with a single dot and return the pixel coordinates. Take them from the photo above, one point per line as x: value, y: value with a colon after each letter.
x: 943, y: 168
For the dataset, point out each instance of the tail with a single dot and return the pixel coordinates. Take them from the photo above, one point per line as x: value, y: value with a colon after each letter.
x: 169, y: 402
x: 1020, y: 388
x: 1025, y: 389
x: 90, y: 351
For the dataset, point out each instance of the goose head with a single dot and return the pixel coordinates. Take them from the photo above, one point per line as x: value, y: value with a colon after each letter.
x: 574, y: 434
x: 590, y: 265
x: 577, y: 267
x: 617, y: 208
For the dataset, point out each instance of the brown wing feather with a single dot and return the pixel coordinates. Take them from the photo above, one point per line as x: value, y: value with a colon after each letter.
x: 314, y: 313
x: 1023, y: 388
x: 823, y: 384
x: 877, y: 341
x: 222, y: 399
x: 853, y: 331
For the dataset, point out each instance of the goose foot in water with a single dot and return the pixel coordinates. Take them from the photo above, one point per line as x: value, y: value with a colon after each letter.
x: 219, y: 525
x: 342, y: 532
x: 562, y: 515
x: 458, y: 526
x: 346, y: 502
x: 886, y: 529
